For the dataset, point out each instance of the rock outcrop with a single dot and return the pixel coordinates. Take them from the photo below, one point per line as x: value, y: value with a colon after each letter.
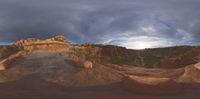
x: 87, y: 64
x: 80, y: 62
x: 151, y: 85
x: 59, y: 38
x: 58, y: 43
x: 191, y: 74
x: 73, y: 58
x: 197, y: 66
x: 2, y: 67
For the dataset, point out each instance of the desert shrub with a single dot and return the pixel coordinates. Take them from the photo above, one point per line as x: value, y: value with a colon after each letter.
x: 6, y: 51
x: 117, y: 60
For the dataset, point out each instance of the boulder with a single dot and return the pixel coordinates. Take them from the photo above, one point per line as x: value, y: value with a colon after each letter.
x: 87, y: 64
x: 151, y: 85
x: 2, y: 67
x: 197, y: 66
x: 59, y: 38
x: 73, y: 57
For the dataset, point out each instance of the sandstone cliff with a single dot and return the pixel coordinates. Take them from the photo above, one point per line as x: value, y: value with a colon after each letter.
x: 58, y: 43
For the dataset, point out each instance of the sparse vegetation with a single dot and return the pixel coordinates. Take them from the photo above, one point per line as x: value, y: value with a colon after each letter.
x: 161, y: 57
x: 6, y: 51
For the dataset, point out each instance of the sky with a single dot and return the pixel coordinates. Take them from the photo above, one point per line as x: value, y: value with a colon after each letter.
x: 134, y: 24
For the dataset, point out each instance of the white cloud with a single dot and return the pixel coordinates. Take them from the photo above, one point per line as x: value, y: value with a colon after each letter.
x: 131, y: 23
x: 142, y: 42
x: 148, y: 29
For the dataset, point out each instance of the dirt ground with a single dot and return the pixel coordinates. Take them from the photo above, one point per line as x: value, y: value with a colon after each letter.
x: 33, y: 87
x: 44, y: 75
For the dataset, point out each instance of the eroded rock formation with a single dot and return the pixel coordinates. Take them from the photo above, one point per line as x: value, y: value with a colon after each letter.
x: 151, y: 85
x: 2, y: 67
x: 58, y: 43
x: 80, y: 62
x: 197, y: 66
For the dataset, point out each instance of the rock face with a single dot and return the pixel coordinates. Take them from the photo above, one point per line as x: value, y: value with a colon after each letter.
x: 59, y: 38
x: 197, y: 66
x: 151, y: 85
x: 191, y: 74
x: 2, y: 67
x: 80, y: 62
x: 57, y: 43
x: 73, y: 58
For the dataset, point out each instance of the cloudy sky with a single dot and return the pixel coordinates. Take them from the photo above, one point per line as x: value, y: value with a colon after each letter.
x: 131, y: 23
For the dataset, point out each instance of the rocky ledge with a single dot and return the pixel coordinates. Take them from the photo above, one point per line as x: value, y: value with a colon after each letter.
x: 58, y: 43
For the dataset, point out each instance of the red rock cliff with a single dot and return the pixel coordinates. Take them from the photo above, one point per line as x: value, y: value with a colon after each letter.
x: 58, y: 43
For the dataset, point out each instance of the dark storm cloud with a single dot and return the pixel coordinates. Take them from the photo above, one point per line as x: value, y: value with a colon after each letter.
x: 102, y: 21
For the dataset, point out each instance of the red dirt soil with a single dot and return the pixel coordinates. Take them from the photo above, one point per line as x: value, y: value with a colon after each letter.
x: 51, y: 75
x: 34, y: 87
